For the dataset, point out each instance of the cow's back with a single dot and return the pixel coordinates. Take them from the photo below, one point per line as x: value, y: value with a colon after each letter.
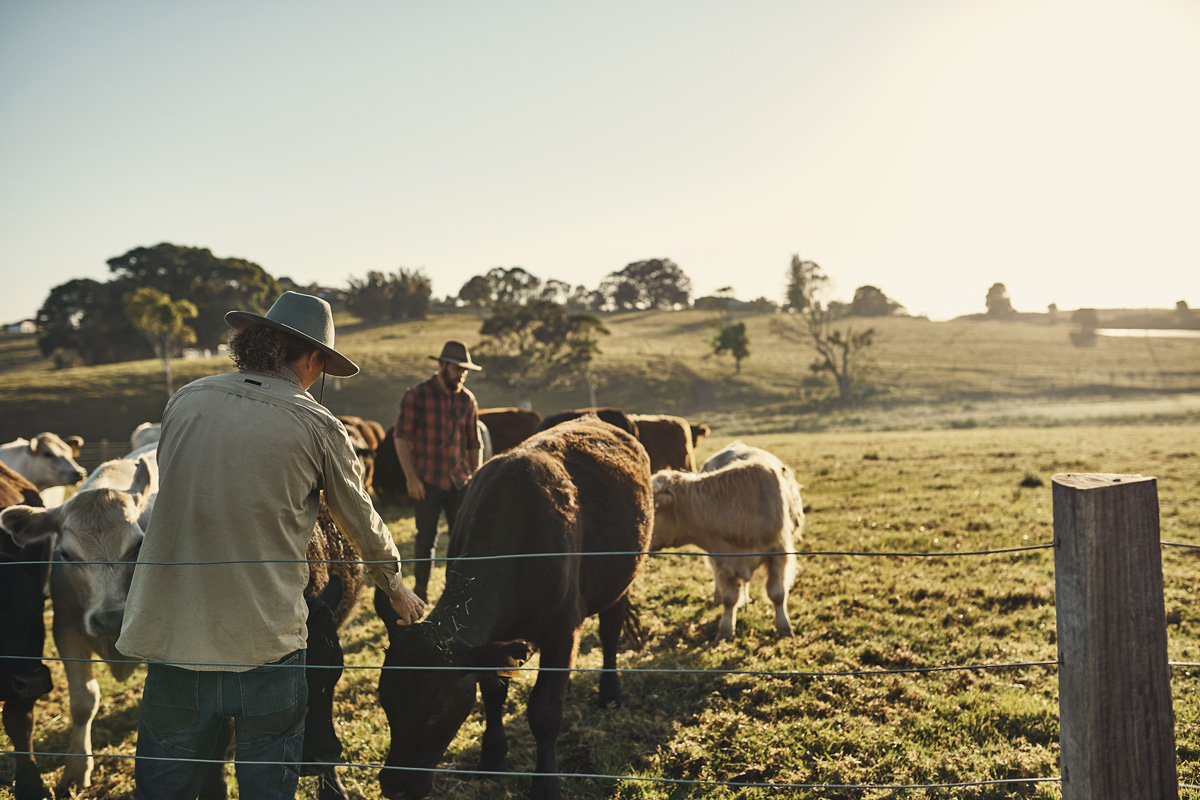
x: 581, y: 487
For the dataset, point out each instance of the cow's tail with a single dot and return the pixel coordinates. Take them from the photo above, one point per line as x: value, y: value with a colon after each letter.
x: 633, y: 628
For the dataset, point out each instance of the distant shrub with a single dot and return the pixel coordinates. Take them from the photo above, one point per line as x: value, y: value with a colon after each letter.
x: 1031, y: 481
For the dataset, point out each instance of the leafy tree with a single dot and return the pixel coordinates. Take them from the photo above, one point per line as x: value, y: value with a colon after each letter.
x: 215, y: 285
x: 477, y: 293
x: 870, y: 301
x: 537, y: 346
x: 410, y: 295
x: 86, y: 318
x: 514, y: 285
x: 556, y: 291
x: 842, y: 353
x: 805, y: 281
x: 998, y: 304
x: 368, y: 300
x: 379, y: 298
x: 655, y: 283
x: 730, y: 337
x: 1185, y: 317
x: 1086, y: 318
x: 164, y: 322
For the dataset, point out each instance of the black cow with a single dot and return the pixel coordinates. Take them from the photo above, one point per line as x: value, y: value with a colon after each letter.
x: 583, y: 487
x: 24, y: 572
x: 334, y: 583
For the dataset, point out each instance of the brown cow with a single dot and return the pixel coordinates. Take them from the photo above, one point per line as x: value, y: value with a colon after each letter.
x: 24, y: 572
x: 583, y: 487
x: 366, y: 435
x: 509, y: 427
x: 668, y: 441
x: 613, y: 416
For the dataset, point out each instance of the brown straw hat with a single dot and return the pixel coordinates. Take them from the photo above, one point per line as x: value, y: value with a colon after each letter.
x: 305, y: 317
x: 456, y: 353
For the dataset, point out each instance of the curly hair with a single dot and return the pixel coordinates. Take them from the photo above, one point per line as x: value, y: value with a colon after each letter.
x: 261, y: 348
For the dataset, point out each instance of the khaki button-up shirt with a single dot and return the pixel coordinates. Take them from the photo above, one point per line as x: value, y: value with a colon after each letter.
x: 241, y: 459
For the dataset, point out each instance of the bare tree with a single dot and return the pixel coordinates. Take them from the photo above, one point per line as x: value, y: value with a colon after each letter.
x: 841, y: 352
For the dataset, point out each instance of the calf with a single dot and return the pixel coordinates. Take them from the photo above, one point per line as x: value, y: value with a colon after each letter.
x: 744, y: 500
x: 23, y: 678
x: 583, y: 487
x: 99, y: 536
x: 144, y: 434
x: 45, y: 460
x: 668, y: 441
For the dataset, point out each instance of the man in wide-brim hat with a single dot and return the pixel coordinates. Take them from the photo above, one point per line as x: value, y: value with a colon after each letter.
x: 241, y: 457
x: 437, y: 444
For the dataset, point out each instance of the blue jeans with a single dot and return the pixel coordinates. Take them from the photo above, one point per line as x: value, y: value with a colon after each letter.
x: 182, y: 713
x: 425, y: 515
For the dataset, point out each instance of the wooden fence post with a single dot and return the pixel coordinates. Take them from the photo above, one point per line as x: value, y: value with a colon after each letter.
x: 1117, y: 725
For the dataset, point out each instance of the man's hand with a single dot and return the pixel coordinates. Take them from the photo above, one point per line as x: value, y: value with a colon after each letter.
x: 416, y: 489
x: 407, y: 605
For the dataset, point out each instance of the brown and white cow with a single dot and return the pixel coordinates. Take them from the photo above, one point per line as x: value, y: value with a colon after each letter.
x: 99, y: 530
x: 582, y: 487
x: 46, y: 460
x: 744, y: 500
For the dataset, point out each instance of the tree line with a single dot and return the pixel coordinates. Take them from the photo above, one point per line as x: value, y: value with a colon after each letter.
x: 535, y: 333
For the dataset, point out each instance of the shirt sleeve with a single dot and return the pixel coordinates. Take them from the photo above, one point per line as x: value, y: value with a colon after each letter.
x: 406, y: 422
x: 352, y: 510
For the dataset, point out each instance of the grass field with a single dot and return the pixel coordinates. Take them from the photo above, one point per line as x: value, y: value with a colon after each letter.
x: 954, y: 452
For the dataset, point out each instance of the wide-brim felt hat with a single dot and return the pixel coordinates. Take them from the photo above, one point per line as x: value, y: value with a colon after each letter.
x: 456, y: 353
x: 306, y: 317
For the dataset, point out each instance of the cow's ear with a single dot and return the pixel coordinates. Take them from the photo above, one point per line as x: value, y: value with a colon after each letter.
x: 27, y: 524
x: 142, y: 481
x: 503, y: 657
x: 383, y: 607
x: 332, y: 593
x: 76, y: 443
x: 663, y: 500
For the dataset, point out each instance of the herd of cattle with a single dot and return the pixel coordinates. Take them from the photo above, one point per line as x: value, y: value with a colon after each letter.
x: 520, y: 578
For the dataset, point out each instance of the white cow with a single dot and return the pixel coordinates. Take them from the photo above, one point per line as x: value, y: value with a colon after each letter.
x: 144, y: 434
x: 104, y: 521
x: 744, y: 500
x: 45, y: 460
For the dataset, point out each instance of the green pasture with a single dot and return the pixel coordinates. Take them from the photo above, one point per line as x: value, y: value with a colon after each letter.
x: 919, y: 375
x: 950, y: 451
x: 916, y: 492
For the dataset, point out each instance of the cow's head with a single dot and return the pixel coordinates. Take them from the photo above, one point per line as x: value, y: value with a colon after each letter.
x: 49, y: 461
x: 427, y: 688
x: 95, y: 525
x: 666, y: 532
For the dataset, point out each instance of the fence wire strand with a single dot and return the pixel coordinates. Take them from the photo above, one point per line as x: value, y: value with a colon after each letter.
x: 570, y: 775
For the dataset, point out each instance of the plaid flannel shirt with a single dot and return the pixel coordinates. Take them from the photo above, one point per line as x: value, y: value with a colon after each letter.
x: 441, y: 429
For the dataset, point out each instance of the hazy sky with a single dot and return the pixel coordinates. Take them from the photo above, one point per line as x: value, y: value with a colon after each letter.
x: 927, y: 147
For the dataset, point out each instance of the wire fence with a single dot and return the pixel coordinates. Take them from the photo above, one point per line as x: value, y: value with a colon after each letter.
x: 769, y: 674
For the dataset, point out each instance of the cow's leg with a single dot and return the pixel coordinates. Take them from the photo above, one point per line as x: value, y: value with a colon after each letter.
x: 331, y: 786
x: 731, y: 595
x: 84, y: 692
x: 610, y: 637
x: 777, y: 591
x: 18, y: 724
x: 494, y: 755
x: 546, y: 708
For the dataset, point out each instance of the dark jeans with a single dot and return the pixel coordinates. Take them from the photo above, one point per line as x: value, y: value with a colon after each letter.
x: 182, y: 713
x: 425, y: 514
